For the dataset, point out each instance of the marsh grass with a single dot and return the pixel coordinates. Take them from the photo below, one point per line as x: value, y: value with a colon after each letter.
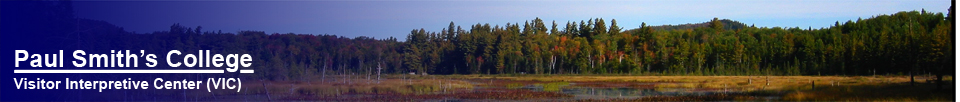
x: 514, y: 85
x: 554, y: 86
x: 740, y: 82
x: 791, y: 88
x: 874, y: 92
x: 299, y: 89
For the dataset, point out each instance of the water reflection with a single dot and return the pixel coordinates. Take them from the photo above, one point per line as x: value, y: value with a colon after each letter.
x: 602, y: 90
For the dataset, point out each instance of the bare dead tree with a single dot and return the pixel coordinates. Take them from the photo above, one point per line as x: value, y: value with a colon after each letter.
x: 378, y: 72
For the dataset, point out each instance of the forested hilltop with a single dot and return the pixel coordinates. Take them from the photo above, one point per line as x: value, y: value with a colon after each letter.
x: 727, y: 25
x: 902, y: 43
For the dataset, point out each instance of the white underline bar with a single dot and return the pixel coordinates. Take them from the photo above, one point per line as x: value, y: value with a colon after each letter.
x: 118, y: 71
x: 246, y: 71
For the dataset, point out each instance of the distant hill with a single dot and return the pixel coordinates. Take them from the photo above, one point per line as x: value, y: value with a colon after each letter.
x: 727, y: 24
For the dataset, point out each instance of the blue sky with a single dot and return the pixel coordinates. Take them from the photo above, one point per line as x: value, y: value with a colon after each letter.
x: 382, y: 19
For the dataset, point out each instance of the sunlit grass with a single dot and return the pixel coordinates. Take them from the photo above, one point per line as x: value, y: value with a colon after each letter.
x: 790, y: 88
x: 878, y: 92
x: 796, y: 88
x: 338, y: 87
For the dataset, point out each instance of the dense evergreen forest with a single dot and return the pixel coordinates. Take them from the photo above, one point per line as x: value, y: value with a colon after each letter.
x: 915, y: 41
x: 902, y: 43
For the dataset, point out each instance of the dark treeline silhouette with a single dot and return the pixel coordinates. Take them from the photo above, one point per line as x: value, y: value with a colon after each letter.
x: 727, y: 25
x: 916, y: 42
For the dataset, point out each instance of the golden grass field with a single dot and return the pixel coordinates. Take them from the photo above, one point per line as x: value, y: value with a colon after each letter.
x: 359, y: 86
x: 790, y: 88
x: 799, y: 88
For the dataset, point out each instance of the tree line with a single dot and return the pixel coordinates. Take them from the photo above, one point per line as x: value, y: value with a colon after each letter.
x: 902, y: 43
x: 909, y: 42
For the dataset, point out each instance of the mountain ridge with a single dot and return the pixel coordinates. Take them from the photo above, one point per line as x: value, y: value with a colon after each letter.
x: 727, y: 24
